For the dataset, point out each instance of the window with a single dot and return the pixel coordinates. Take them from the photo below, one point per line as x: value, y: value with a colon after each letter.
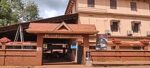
x: 0, y: 47
x: 114, y: 25
x: 113, y: 4
x: 91, y: 3
x: 135, y: 26
x: 133, y: 6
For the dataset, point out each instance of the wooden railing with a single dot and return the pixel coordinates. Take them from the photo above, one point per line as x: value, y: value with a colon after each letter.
x: 120, y: 57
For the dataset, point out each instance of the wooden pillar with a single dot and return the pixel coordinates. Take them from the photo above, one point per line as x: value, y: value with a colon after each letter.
x: 39, y: 49
x: 85, y: 47
x: 3, y: 46
x: 4, y: 53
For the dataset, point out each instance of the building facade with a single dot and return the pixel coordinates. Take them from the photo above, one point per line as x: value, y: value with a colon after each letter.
x: 126, y: 23
x: 116, y: 17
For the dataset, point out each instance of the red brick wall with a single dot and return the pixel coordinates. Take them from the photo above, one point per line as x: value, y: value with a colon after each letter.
x: 121, y: 57
x: 1, y: 57
x: 18, y: 57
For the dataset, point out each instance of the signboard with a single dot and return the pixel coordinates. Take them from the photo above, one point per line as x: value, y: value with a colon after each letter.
x: 61, y: 36
x: 74, y: 45
x: 101, y: 42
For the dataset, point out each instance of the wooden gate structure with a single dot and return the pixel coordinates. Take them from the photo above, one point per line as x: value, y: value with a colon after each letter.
x: 28, y: 53
x: 64, y: 31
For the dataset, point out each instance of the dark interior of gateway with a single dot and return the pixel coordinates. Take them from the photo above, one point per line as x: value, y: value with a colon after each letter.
x: 59, y: 51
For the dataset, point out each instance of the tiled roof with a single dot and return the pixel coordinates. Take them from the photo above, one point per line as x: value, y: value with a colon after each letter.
x: 63, y: 28
x: 25, y: 25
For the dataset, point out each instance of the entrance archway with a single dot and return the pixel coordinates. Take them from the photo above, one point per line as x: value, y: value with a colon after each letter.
x: 59, y: 51
x: 62, y: 31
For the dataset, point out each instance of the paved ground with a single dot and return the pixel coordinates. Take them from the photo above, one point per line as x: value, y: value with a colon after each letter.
x: 73, y: 66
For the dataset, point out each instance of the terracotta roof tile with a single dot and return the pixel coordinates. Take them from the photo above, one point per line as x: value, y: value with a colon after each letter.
x: 50, y: 28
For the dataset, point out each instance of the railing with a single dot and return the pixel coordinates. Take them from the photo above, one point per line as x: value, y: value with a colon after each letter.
x: 104, y: 11
x: 95, y: 10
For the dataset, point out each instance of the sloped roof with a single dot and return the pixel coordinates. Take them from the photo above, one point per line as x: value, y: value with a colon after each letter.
x: 57, y: 19
x: 69, y: 28
x: 69, y: 6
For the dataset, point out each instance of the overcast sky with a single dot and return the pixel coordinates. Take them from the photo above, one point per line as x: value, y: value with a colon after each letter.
x: 51, y: 8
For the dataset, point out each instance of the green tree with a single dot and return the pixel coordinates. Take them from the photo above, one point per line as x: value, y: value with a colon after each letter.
x: 16, y: 11
x: 5, y: 11
x: 31, y: 12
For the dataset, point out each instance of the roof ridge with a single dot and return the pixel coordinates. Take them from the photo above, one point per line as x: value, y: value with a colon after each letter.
x: 61, y: 25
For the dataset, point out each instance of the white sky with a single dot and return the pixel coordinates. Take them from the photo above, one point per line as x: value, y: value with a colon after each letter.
x: 51, y: 8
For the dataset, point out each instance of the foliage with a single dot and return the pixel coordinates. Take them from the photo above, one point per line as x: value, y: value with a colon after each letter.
x: 16, y: 11
x: 5, y: 12
x: 31, y: 12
